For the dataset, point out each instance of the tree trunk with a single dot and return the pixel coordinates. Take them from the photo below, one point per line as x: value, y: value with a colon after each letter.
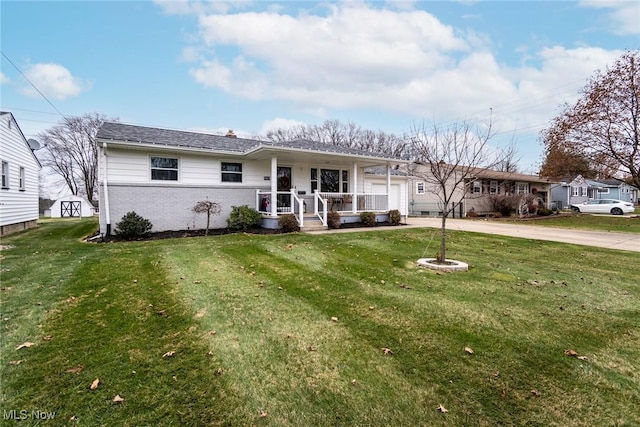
x: 443, y: 239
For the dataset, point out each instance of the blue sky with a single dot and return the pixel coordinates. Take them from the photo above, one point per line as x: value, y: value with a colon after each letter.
x: 253, y: 66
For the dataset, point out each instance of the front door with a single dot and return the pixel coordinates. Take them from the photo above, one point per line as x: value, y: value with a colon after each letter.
x: 284, y: 184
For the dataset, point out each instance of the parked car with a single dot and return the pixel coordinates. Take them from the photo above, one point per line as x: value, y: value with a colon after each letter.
x: 605, y: 206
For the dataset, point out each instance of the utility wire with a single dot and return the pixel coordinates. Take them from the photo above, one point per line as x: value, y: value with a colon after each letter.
x: 32, y: 85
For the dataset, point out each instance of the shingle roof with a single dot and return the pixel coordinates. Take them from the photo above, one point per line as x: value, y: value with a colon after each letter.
x: 178, y: 138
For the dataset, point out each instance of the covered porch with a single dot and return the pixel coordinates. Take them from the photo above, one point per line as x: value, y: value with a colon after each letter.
x: 310, y: 185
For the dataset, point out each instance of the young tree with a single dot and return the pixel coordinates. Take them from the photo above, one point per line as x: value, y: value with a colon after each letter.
x: 208, y: 207
x: 453, y: 156
x: 603, y: 126
x: 73, y: 153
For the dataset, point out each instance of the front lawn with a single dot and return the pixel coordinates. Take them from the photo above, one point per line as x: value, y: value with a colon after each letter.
x: 625, y: 224
x: 334, y: 329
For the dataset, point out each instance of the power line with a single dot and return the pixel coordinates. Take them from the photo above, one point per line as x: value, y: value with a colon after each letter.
x: 32, y: 85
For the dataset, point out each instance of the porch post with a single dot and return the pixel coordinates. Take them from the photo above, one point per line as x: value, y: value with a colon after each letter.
x: 354, y: 188
x: 274, y: 186
x: 388, y: 186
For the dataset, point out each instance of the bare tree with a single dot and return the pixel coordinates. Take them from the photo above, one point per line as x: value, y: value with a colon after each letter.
x: 603, y: 126
x: 73, y: 153
x: 334, y: 132
x: 452, y: 156
x: 208, y: 207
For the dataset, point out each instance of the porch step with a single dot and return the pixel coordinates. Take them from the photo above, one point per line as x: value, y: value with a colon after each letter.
x: 312, y: 223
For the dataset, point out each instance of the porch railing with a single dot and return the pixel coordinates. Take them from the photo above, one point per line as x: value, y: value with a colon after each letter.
x: 289, y: 202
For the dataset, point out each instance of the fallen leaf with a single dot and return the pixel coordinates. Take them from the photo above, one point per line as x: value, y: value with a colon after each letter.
x: 169, y: 354
x: 442, y: 409
x: 468, y: 350
x: 311, y: 348
x: 371, y: 307
x: 582, y: 357
x: 535, y: 392
x: 47, y: 338
x: 175, y: 378
x: 25, y: 345
x: 496, y: 373
x: 334, y: 319
x: 571, y: 353
x: 15, y: 362
x: 95, y: 383
x: 263, y: 414
x: 354, y: 382
x: 73, y: 418
x: 75, y: 370
x: 219, y: 371
x: 387, y: 351
x: 118, y: 399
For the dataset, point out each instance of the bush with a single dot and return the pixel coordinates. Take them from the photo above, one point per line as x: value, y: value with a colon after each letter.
x: 132, y: 226
x: 544, y: 212
x: 243, y: 218
x: 288, y: 223
x: 368, y: 219
x: 333, y: 219
x: 395, y: 217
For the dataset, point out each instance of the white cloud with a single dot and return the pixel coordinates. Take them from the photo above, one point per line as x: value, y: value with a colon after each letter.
x: 53, y: 80
x: 624, y: 15
x: 279, y: 123
x: 402, y: 61
x: 3, y: 78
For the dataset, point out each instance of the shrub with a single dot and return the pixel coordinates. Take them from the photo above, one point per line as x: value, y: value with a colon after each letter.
x: 288, y: 223
x: 368, y: 219
x: 243, y: 218
x: 333, y: 219
x: 132, y: 226
x: 544, y: 212
x: 395, y: 217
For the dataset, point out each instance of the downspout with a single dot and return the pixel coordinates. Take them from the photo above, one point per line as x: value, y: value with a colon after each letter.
x: 107, y: 213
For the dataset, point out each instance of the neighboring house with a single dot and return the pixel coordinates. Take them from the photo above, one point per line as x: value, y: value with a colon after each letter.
x: 579, y: 190
x: 476, y: 192
x: 70, y: 207
x: 161, y: 174
x: 20, y: 178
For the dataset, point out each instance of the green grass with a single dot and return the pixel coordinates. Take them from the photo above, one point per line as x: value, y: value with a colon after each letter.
x: 624, y: 224
x: 249, y: 318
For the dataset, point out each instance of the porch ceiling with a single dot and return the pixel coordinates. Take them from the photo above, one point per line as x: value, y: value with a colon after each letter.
x: 318, y: 158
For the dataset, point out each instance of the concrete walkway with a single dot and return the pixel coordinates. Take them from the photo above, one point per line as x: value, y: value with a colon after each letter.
x: 602, y: 239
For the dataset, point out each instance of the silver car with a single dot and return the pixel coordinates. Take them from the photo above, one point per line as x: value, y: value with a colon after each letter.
x: 604, y: 206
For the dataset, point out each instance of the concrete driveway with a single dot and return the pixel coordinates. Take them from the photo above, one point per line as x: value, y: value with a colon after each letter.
x: 602, y: 239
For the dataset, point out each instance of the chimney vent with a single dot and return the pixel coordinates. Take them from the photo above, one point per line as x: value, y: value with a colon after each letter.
x: 230, y: 134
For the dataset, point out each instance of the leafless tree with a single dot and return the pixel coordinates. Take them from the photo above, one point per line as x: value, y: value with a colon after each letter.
x: 451, y: 157
x: 603, y: 126
x: 73, y: 154
x: 335, y: 132
x: 208, y: 207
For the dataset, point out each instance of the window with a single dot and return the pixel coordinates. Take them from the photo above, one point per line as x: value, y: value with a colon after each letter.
x: 164, y: 169
x: 420, y: 188
x: 494, y: 188
x: 231, y: 172
x: 603, y: 190
x: 21, y: 183
x: 477, y: 187
x: 5, y: 175
x: 522, y: 188
x: 314, y: 180
x: 329, y: 180
x: 574, y: 191
x: 345, y: 181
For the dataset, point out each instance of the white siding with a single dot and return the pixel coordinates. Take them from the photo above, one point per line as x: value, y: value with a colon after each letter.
x: 17, y: 206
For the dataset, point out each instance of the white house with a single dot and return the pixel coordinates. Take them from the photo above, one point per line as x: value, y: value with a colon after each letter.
x: 20, y: 178
x: 69, y: 207
x: 161, y: 174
